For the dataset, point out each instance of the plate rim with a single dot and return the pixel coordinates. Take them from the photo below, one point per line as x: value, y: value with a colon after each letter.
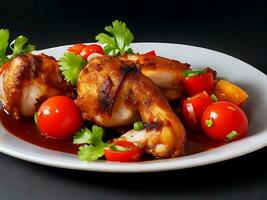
x: 141, y: 166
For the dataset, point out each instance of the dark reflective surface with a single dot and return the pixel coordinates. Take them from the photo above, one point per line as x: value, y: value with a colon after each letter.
x: 235, y: 28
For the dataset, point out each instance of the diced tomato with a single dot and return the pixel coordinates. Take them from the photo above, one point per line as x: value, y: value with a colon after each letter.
x: 226, y: 91
x: 150, y: 53
x: 199, y: 83
x: 193, y: 108
x: 224, y: 121
x: 77, y: 48
x: 123, y: 151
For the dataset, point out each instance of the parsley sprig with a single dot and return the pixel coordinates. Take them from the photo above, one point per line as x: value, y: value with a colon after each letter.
x: 4, y: 36
x: 118, y: 39
x: 17, y: 46
x: 92, y: 145
x: 71, y: 65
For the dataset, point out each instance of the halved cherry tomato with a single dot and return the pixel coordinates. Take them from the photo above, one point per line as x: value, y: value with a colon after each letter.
x: 199, y: 83
x: 91, y: 48
x: 226, y: 91
x: 58, y: 117
x: 150, y: 53
x: 123, y: 151
x: 224, y: 121
x: 193, y: 108
x: 86, y: 50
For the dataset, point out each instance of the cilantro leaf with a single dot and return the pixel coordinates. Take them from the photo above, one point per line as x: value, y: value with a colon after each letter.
x: 83, y: 136
x: 18, y: 46
x: 90, y: 152
x: 71, y: 65
x: 118, y: 39
x: 4, y: 37
x: 93, y: 147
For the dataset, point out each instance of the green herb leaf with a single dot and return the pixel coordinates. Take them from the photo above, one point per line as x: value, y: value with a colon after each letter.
x: 4, y: 37
x: 115, y: 147
x: 94, y: 146
x: 71, y: 66
x: 193, y: 72
x: 118, y: 39
x: 209, y: 122
x: 18, y: 44
x: 84, y: 136
x: 138, y: 126
x: 232, y: 135
x: 214, y: 98
x: 90, y: 152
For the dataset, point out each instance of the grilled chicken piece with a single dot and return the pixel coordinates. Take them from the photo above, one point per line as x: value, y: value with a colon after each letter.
x: 164, y: 72
x: 97, y: 93
x: 112, y: 92
x: 164, y: 135
x: 28, y: 80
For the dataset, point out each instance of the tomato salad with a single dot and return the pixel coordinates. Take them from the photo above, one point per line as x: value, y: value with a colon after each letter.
x: 209, y: 105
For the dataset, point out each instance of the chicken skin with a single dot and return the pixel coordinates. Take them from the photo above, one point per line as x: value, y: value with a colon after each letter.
x: 98, y: 86
x: 28, y: 80
x: 164, y: 72
x: 114, y: 92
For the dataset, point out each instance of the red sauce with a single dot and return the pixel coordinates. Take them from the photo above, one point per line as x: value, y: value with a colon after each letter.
x: 26, y: 130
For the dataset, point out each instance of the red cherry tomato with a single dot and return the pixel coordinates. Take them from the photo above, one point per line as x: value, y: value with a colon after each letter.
x: 91, y: 48
x: 124, y: 152
x: 193, y: 108
x: 150, y: 53
x: 86, y: 50
x: 58, y: 117
x: 224, y: 121
x: 196, y: 84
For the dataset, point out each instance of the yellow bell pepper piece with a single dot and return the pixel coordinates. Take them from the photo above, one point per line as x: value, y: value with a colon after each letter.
x: 227, y: 91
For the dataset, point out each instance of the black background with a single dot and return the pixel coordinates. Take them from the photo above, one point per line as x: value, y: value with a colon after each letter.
x: 238, y: 28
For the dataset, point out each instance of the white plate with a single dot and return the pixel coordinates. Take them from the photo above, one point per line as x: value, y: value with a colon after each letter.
x: 251, y: 79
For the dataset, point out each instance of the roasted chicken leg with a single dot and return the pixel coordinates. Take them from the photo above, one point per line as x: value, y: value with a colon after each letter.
x: 114, y: 92
x: 164, y: 72
x: 28, y: 80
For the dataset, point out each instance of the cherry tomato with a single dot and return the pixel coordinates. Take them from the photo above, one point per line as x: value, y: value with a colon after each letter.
x: 123, y: 151
x: 58, y: 117
x: 150, y: 53
x: 199, y: 83
x: 193, y: 108
x: 224, y: 121
x: 77, y: 48
x: 86, y: 50
x: 91, y: 48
